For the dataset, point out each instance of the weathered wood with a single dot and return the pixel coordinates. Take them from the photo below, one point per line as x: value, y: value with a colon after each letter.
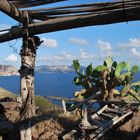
x: 43, y: 14
x: 106, y: 115
x: 10, y: 10
x: 84, y: 123
x: 84, y: 101
x: 114, y: 111
x: 28, y: 57
x: 115, y: 16
x: 27, y: 79
x: 31, y: 3
x: 69, y: 135
x: 100, y: 132
x: 99, y: 112
x: 64, y: 106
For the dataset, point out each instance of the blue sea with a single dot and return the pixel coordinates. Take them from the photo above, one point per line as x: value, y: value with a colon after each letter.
x: 46, y: 84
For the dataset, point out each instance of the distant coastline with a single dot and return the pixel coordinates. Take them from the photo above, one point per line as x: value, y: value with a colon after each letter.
x: 9, y: 70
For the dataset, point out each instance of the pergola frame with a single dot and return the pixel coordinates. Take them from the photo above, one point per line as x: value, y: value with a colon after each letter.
x: 51, y: 20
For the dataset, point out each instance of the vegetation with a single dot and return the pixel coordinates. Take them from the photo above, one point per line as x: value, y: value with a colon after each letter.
x: 43, y: 104
x: 111, y: 79
x: 5, y: 93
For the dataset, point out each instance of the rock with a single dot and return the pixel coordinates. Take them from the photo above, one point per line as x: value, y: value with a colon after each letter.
x: 8, y: 70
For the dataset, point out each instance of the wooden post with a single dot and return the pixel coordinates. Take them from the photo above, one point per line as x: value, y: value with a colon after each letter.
x: 28, y: 56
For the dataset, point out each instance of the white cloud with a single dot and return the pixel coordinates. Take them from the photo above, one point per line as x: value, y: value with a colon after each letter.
x: 135, y: 52
x: 105, y: 48
x: 48, y: 42
x: 78, y: 41
x: 133, y: 42
x: 85, y: 55
x: 11, y: 58
x: 64, y: 56
x: 60, y: 57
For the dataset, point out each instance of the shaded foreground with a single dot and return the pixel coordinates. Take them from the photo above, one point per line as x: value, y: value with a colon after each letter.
x: 51, y: 123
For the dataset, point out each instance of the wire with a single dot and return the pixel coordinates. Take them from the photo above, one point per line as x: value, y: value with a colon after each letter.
x: 13, y: 47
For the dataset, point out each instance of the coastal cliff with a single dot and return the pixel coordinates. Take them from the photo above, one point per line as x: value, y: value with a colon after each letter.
x: 8, y: 70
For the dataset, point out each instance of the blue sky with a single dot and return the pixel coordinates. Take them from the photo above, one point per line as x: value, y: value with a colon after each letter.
x: 88, y: 44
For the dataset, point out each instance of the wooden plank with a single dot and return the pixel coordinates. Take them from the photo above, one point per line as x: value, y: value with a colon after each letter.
x: 108, y: 125
x: 122, y: 117
x: 92, y: 127
x: 69, y: 135
x: 106, y: 115
x: 31, y: 3
x: 103, y: 129
x: 98, y: 133
x: 116, y: 16
x: 99, y: 112
x: 115, y: 111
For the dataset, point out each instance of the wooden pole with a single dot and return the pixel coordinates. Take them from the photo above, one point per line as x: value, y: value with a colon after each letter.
x: 28, y: 56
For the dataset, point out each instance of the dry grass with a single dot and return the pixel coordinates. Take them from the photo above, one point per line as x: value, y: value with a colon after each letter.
x: 5, y: 93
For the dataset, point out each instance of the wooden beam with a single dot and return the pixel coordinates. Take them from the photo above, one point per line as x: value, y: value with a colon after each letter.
x: 10, y: 10
x: 31, y: 3
x: 57, y: 24
x: 43, y: 14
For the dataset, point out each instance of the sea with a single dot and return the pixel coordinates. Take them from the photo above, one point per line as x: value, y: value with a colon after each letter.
x: 47, y: 84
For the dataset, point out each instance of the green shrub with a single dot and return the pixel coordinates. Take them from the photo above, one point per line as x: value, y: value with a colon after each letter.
x: 43, y: 104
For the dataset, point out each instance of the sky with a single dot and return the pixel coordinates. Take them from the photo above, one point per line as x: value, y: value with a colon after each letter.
x: 90, y: 44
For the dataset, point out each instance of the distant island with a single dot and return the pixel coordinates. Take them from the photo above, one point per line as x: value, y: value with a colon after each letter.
x: 54, y: 69
x: 9, y: 70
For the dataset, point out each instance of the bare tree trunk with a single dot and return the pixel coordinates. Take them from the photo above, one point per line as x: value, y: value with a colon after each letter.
x: 28, y: 56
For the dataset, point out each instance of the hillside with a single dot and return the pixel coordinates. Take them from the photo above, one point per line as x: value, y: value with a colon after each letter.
x: 5, y: 93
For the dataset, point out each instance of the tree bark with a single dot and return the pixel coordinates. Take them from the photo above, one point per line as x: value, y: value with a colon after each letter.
x: 28, y: 56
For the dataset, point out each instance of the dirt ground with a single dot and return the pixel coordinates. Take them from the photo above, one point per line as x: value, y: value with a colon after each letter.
x: 52, y: 126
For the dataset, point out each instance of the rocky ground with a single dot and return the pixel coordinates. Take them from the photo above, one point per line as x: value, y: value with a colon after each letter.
x: 53, y: 124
